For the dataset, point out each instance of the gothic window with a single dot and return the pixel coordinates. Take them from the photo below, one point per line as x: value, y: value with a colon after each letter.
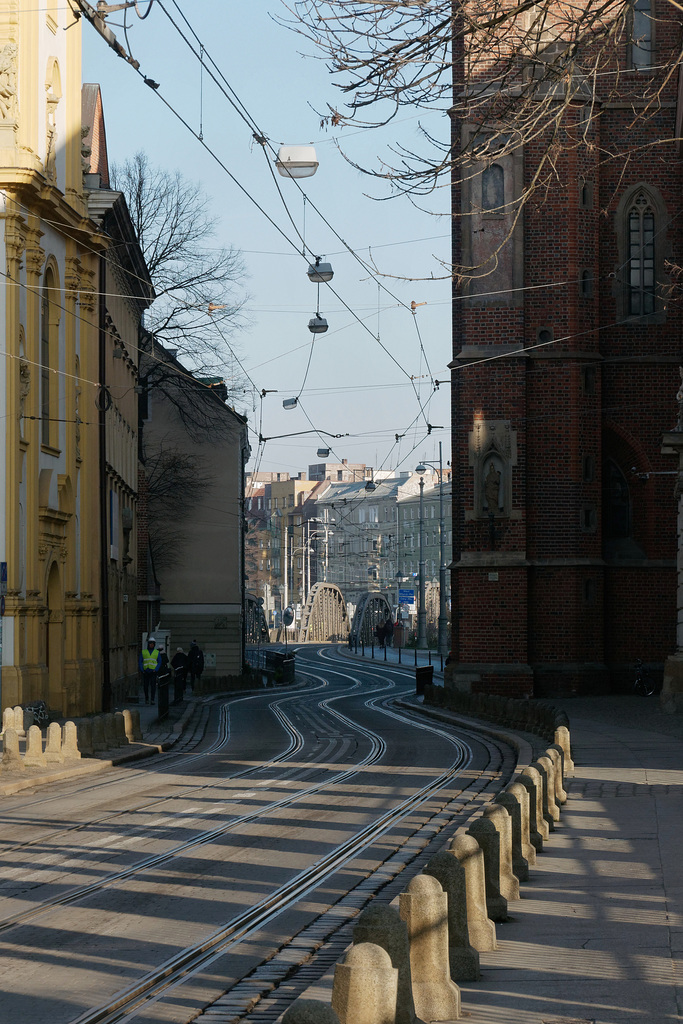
x: 641, y: 256
x: 641, y: 34
x: 616, y: 504
x: 586, y: 284
x: 493, y: 188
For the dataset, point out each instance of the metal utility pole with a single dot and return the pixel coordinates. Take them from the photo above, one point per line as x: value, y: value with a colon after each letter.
x: 443, y: 614
x: 421, y: 610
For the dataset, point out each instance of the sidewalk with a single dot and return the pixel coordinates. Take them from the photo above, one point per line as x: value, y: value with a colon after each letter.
x: 410, y: 657
x: 597, y: 937
x: 156, y: 736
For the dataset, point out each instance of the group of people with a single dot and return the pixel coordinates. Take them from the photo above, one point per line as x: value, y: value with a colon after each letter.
x: 155, y: 668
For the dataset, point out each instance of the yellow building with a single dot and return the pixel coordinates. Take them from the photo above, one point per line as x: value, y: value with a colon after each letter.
x: 49, y: 519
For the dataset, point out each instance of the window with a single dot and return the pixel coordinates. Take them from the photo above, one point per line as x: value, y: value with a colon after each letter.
x: 588, y: 469
x: 641, y: 255
x: 641, y: 34
x: 493, y: 189
x: 586, y: 284
x: 48, y: 357
x: 113, y: 525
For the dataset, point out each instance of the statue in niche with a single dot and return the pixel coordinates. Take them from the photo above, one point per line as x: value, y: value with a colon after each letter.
x: 8, y: 81
x: 24, y: 384
x: 492, y: 488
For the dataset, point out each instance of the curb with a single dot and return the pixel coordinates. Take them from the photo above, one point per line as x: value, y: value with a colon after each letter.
x: 87, y: 766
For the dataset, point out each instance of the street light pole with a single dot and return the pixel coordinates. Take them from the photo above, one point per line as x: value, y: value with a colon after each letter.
x: 422, y: 611
x: 443, y: 614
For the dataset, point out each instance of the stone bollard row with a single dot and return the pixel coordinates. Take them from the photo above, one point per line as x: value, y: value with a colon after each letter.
x: 534, y: 716
x: 403, y: 965
x: 65, y: 743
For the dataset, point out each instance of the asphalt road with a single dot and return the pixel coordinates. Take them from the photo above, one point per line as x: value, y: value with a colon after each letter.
x: 147, y: 892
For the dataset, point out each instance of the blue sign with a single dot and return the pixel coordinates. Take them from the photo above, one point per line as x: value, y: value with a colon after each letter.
x: 406, y: 596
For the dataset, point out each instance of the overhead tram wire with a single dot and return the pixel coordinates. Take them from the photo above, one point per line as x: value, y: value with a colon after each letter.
x: 260, y: 137
x: 157, y: 92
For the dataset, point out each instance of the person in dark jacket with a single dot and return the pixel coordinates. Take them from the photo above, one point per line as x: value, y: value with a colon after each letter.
x: 195, y: 663
x: 179, y: 665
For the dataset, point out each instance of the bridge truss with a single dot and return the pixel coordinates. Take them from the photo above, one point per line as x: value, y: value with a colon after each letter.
x: 324, y: 616
x: 372, y: 610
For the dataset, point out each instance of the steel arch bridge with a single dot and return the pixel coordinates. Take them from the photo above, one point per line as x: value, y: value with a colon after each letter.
x: 324, y: 616
x: 255, y: 626
x: 373, y: 609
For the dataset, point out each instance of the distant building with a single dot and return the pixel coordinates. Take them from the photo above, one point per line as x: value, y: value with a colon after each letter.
x: 341, y: 472
x: 194, y: 449
x: 359, y: 542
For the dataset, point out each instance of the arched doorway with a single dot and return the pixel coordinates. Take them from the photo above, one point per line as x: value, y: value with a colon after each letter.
x: 54, y: 647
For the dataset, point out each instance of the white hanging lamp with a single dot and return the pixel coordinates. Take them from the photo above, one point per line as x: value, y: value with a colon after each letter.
x: 290, y: 403
x: 296, y: 161
x: 320, y: 272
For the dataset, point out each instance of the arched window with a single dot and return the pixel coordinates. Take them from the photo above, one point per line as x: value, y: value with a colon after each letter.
x: 641, y: 34
x: 641, y: 256
x: 493, y: 188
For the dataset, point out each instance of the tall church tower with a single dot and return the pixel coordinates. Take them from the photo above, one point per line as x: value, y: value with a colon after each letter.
x: 567, y: 342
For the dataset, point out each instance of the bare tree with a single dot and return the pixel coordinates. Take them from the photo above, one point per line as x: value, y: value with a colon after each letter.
x: 174, y: 482
x: 505, y: 75
x: 196, y: 309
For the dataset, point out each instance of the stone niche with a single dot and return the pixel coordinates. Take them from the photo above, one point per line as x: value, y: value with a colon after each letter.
x: 492, y: 456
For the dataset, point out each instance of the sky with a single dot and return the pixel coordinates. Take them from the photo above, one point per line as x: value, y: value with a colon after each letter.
x: 358, y: 383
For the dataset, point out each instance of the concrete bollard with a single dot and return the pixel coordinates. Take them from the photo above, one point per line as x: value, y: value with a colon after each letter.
x: 70, y: 742
x: 34, y: 756
x: 509, y: 883
x: 535, y: 805
x: 563, y: 740
x: 120, y: 723
x: 557, y: 757
x: 99, y: 742
x: 480, y: 928
x: 424, y: 908
x: 53, y: 747
x: 486, y: 834
x: 19, y: 720
x: 365, y: 986
x: 381, y: 925
x: 11, y: 757
x: 128, y: 725
x: 110, y: 731
x: 450, y: 874
x: 520, y: 864
x: 521, y: 795
x: 135, y: 720
x: 310, y: 1011
x: 84, y: 736
x: 8, y: 719
x: 551, y: 812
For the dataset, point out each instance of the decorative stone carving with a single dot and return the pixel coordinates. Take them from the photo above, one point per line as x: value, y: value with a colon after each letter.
x: 35, y: 258
x: 24, y: 383
x: 8, y: 82
x: 492, y: 455
x: 53, y: 94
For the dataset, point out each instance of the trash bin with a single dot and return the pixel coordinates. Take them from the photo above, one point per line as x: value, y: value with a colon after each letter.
x: 424, y: 674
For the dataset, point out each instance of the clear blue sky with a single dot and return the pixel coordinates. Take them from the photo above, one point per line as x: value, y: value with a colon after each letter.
x: 353, y: 385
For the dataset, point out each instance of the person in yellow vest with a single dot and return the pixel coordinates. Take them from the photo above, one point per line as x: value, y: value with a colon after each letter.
x: 149, y: 664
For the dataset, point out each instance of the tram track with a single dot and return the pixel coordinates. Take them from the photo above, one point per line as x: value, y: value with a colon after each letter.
x: 76, y: 895
x: 412, y: 822
x: 197, y: 958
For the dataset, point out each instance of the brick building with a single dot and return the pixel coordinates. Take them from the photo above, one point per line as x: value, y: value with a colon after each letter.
x: 564, y: 518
